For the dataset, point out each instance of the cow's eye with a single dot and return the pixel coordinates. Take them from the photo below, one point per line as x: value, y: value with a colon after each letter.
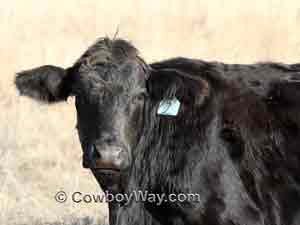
x: 76, y: 91
x: 138, y: 98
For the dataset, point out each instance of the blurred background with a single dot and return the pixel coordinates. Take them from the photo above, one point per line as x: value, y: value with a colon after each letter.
x: 39, y: 148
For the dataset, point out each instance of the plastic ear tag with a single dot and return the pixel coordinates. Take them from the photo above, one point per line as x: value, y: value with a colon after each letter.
x: 169, y: 107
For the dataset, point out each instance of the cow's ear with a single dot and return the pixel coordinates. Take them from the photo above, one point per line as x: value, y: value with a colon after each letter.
x: 46, y: 83
x: 168, y: 82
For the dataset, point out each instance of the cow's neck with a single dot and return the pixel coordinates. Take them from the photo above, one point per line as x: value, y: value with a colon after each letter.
x: 174, y: 147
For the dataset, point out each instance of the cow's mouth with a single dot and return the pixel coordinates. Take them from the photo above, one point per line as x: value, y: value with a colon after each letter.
x: 107, y: 174
x: 111, y: 171
x: 107, y: 178
x: 101, y: 165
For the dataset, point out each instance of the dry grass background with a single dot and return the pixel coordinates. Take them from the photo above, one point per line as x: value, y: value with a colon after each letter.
x: 39, y: 149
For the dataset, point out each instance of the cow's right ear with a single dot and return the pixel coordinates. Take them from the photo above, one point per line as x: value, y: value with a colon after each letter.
x: 170, y: 82
x: 46, y: 83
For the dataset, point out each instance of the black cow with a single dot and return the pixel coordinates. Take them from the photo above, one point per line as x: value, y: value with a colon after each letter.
x: 235, y: 139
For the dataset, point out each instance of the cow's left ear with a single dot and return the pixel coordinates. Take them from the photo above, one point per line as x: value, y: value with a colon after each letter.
x: 46, y: 83
x: 169, y: 82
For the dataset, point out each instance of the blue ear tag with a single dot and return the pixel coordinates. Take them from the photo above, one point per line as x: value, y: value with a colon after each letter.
x: 169, y: 107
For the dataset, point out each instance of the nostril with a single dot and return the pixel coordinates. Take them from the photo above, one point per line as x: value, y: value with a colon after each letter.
x: 108, y: 139
x: 96, y: 154
x: 90, y: 156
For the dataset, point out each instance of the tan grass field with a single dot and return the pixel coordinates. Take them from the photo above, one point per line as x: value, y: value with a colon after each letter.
x: 39, y: 148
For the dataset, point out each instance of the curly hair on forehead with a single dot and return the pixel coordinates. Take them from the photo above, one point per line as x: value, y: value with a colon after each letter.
x: 110, y: 51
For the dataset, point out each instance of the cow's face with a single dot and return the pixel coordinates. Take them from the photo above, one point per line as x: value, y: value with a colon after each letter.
x: 108, y: 83
x: 109, y: 102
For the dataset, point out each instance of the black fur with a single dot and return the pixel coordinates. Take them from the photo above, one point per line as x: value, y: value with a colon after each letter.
x: 235, y: 140
x: 239, y: 150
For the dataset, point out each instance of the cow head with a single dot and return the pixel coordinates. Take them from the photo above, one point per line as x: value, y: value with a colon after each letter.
x: 114, y: 90
x: 108, y: 82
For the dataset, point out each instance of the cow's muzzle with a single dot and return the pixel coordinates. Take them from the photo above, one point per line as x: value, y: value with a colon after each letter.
x: 93, y: 160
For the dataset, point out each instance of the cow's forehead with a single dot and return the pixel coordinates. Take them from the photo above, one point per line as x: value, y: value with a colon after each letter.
x: 115, y: 82
x: 123, y: 75
x: 114, y: 64
x: 105, y: 50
